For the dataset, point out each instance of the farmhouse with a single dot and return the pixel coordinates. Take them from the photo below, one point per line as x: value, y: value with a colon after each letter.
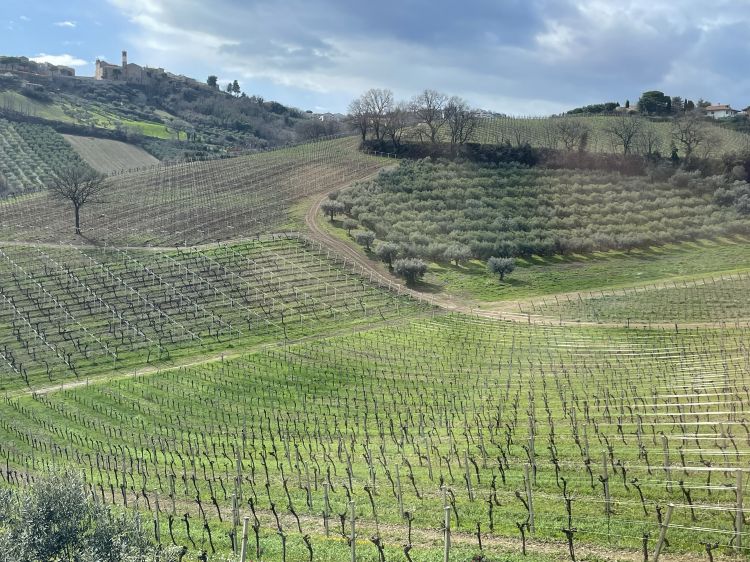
x: 720, y: 111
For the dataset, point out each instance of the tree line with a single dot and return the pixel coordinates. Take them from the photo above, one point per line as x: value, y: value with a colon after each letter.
x: 430, y: 117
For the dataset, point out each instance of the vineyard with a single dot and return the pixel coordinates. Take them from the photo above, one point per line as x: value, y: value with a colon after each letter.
x: 235, y: 382
x: 543, y: 132
x: 195, y: 202
x: 29, y: 154
x: 69, y: 313
x: 500, y: 430
x: 701, y: 300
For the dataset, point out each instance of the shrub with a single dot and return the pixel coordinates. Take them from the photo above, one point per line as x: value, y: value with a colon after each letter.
x: 410, y: 269
x: 501, y: 266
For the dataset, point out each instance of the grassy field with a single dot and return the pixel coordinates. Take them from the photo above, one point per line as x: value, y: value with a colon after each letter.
x: 562, y: 274
x: 110, y: 156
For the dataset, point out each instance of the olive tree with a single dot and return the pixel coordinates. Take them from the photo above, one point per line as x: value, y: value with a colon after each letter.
x: 410, y: 269
x: 387, y: 252
x: 54, y: 520
x: 365, y: 238
x: 457, y: 253
x: 349, y: 225
x: 332, y: 207
x: 501, y: 266
x: 78, y: 184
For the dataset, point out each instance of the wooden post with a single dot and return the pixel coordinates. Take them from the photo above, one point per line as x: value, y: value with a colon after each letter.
x: 243, y: 551
x: 667, y: 469
x: 447, y: 531
x: 527, y: 480
x: 353, y: 532
x: 398, y: 490
x: 738, y: 516
x: 605, y: 482
x: 663, y: 532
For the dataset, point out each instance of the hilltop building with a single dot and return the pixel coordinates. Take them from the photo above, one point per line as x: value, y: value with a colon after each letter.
x: 23, y: 65
x: 720, y: 111
x: 127, y: 72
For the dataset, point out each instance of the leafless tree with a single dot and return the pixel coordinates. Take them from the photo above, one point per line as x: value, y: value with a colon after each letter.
x: 462, y: 121
x: 648, y: 142
x: 395, y: 123
x: 689, y: 133
x: 377, y: 103
x: 429, y: 108
x: 359, y: 117
x: 623, y: 131
x: 78, y: 184
x: 572, y: 132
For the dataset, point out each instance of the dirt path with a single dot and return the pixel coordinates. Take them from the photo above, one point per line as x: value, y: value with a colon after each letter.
x: 503, y: 310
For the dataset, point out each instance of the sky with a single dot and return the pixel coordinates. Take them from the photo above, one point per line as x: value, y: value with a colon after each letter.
x: 520, y: 57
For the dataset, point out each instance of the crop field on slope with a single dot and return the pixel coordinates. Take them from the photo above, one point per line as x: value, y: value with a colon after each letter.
x: 425, y: 207
x: 701, y: 300
x: 69, y: 313
x: 29, y: 155
x: 541, y: 132
x: 108, y: 156
x: 620, y: 422
x: 196, y: 202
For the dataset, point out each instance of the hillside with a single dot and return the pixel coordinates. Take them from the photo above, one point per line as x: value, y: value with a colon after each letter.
x: 108, y: 156
x: 544, y: 132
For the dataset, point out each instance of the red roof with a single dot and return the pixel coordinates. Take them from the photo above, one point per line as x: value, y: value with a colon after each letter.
x: 720, y: 107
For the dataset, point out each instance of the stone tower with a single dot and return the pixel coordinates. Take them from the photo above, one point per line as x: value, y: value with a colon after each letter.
x: 124, y: 60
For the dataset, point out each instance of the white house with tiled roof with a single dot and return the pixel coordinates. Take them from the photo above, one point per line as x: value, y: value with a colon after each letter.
x: 720, y: 111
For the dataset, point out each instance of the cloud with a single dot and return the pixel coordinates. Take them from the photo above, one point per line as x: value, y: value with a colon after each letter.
x: 66, y: 23
x: 24, y: 18
x: 60, y: 60
x: 514, y: 56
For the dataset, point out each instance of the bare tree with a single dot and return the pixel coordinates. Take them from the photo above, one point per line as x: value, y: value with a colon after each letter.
x: 78, y: 184
x: 648, y: 141
x: 359, y: 117
x: 689, y: 133
x: 395, y: 123
x: 429, y: 108
x: 377, y: 103
x: 623, y: 131
x: 572, y: 132
x: 462, y: 122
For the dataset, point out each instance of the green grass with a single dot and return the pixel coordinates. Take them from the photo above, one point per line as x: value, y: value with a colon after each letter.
x: 458, y: 387
x: 53, y: 111
x: 546, y: 276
